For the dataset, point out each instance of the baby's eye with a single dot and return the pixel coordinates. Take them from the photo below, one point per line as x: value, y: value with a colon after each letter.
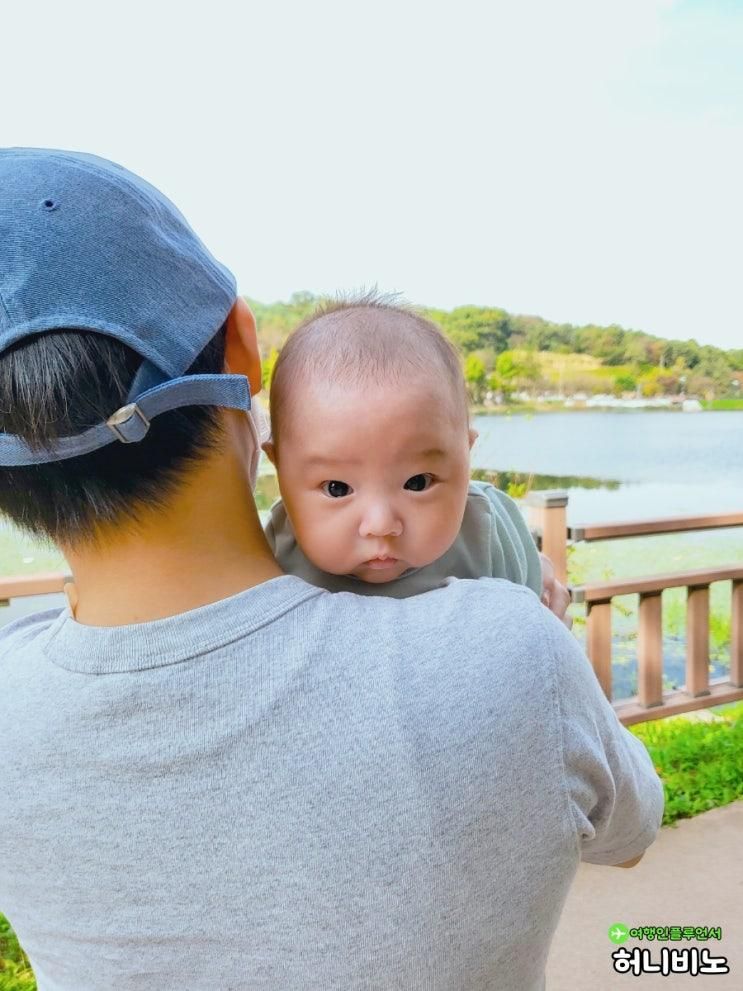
x: 418, y: 479
x: 333, y: 487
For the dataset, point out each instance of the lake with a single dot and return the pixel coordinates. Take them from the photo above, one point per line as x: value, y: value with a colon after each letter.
x: 628, y: 466
x: 622, y: 465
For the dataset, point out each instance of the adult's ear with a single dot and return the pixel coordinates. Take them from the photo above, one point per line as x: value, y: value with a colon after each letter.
x: 473, y: 436
x: 241, y: 354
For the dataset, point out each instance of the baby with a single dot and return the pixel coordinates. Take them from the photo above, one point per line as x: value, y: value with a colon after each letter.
x: 371, y: 439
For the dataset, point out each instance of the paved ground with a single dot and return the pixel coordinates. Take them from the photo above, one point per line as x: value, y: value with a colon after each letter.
x: 691, y: 876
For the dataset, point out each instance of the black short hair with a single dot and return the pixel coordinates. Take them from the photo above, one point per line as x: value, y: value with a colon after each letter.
x: 57, y: 384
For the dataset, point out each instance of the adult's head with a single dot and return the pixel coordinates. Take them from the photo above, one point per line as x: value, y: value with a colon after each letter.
x: 116, y: 328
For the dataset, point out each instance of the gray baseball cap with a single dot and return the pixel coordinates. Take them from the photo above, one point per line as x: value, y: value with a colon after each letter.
x: 87, y: 245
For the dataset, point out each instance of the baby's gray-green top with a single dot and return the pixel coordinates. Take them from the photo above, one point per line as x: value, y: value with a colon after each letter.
x: 493, y: 542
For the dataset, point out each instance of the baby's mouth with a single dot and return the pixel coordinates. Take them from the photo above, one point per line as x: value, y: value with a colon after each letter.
x: 380, y: 563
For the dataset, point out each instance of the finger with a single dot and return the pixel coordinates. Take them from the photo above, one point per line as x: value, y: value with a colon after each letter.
x: 559, y: 600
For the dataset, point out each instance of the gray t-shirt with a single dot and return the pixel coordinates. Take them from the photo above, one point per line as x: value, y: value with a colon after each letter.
x: 493, y: 542
x: 298, y: 790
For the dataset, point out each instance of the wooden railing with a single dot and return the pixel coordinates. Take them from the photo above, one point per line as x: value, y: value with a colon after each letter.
x: 43, y: 583
x: 548, y: 521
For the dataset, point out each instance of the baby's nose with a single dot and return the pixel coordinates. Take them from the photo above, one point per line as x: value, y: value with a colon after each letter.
x: 380, y: 520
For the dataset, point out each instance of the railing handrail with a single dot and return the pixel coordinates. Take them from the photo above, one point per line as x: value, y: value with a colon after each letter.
x: 651, y: 584
x: 666, y: 524
x: 548, y: 519
x: 41, y: 583
x: 632, y: 711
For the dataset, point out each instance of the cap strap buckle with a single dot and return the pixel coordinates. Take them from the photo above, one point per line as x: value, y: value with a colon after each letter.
x: 125, y: 425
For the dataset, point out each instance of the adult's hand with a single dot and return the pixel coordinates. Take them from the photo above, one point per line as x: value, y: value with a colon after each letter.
x: 554, y: 594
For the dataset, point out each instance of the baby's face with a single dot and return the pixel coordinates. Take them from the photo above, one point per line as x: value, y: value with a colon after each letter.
x: 374, y: 473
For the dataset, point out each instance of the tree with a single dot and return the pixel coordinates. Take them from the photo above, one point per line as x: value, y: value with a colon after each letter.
x: 624, y: 383
x: 473, y: 327
x: 487, y: 356
x: 490, y: 332
x: 649, y: 384
x: 506, y: 366
x: 518, y: 369
x: 474, y: 375
x: 267, y: 368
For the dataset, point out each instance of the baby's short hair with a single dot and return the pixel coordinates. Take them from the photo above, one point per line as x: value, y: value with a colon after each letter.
x: 363, y: 340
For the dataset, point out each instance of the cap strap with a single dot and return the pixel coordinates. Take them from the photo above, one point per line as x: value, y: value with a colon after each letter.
x: 131, y: 423
x: 147, y: 377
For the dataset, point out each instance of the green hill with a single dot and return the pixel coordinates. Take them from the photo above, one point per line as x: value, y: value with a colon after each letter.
x: 541, y: 354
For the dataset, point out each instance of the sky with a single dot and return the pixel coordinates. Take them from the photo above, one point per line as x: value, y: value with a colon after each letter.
x: 581, y: 160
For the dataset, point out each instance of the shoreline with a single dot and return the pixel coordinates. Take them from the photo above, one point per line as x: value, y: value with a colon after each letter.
x: 509, y: 410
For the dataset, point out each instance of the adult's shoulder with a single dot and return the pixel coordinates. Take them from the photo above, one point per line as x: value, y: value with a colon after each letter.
x: 469, y: 608
x: 25, y: 629
x: 486, y: 599
x: 483, y: 593
x: 483, y: 639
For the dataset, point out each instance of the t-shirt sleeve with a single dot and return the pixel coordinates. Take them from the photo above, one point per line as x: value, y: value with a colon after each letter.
x: 614, y: 793
x: 513, y: 545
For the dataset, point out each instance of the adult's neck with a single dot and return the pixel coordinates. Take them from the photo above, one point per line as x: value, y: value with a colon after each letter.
x: 206, y: 545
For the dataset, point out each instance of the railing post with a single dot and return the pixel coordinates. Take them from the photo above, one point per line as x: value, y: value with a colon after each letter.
x: 548, y: 515
x: 736, y: 636
x: 650, y: 651
x: 598, y: 642
x: 697, y: 640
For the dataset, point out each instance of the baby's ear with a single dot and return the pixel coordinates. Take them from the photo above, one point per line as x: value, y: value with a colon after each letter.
x: 473, y: 436
x: 270, y: 451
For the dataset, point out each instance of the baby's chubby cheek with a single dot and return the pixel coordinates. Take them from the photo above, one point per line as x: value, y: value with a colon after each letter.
x: 433, y: 533
x: 323, y: 543
x: 432, y: 544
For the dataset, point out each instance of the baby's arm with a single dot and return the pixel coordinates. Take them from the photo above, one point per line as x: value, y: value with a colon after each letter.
x: 514, y: 554
x: 554, y: 594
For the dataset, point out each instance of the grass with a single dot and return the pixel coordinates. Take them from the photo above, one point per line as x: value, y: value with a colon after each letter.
x: 700, y: 762
x: 15, y: 970
x: 578, y: 371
